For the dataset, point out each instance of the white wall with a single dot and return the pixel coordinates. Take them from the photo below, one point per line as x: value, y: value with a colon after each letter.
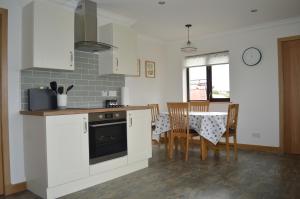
x: 254, y: 88
x: 14, y: 93
x: 144, y: 90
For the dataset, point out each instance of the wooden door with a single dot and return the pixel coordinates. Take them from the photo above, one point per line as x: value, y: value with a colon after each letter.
x: 290, y: 52
x: 1, y: 151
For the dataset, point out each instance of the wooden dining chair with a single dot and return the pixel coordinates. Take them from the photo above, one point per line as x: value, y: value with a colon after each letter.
x: 231, y: 128
x: 155, y: 116
x: 231, y: 131
x: 154, y: 112
x: 199, y: 106
x: 179, y: 125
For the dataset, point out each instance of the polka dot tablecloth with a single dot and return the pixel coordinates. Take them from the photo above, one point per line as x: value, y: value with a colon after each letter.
x: 210, y: 125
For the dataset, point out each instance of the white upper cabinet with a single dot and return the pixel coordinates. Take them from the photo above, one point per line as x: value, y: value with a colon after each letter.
x: 48, y: 36
x: 120, y: 60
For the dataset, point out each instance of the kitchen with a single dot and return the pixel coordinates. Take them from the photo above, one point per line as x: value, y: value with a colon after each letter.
x: 29, y: 60
x: 79, y: 117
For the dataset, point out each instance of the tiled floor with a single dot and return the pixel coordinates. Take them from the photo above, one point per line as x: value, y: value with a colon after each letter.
x: 254, y: 175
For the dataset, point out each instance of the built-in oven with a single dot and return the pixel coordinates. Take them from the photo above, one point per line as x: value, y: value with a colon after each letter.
x: 107, y: 136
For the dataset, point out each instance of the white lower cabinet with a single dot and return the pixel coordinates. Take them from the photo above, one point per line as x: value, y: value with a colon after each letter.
x: 56, y: 152
x: 67, y: 148
x: 139, y: 135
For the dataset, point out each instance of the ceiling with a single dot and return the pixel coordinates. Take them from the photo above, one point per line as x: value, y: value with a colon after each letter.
x: 167, y: 22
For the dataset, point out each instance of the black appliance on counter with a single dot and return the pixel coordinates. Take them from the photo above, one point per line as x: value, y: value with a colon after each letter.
x: 107, y: 136
x: 112, y: 104
x: 41, y: 99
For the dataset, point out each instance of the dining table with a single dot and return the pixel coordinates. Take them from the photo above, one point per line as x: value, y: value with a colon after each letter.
x: 209, y: 125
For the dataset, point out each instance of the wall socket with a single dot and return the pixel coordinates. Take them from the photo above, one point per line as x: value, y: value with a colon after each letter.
x: 112, y: 93
x: 256, y: 135
x: 104, y: 93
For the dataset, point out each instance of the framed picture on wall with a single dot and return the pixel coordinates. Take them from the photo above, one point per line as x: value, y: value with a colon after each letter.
x: 150, y: 69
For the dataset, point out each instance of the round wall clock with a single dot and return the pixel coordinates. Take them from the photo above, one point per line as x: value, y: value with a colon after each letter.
x: 251, y: 56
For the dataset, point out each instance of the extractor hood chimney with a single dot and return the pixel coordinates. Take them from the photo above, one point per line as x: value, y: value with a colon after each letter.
x: 86, y: 28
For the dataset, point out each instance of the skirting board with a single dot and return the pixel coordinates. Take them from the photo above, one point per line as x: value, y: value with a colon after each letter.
x: 15, y: 188
x: 250, y: 147
x: 55, y: 192
x: 268, y: 149
x: 260, y: 148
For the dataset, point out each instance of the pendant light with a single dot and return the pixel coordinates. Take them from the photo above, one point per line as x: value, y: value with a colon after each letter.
x: 188, y: 48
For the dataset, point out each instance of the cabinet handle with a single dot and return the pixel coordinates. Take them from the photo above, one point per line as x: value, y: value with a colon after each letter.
x: 71, y: 58
x: 117, y: 64
x: 131, y: 122
x: 85, y: 126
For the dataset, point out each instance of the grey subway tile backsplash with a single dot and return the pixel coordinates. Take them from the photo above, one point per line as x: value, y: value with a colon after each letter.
x: 88, y: 85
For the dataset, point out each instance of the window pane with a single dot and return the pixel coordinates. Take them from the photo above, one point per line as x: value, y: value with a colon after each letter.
x: 197, y: 83
x: 220, y: 81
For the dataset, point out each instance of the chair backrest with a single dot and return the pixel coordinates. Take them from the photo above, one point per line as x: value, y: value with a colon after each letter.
x: 201, y: 106
x: 232, y: 118
x: 154, y: 111
x: 179, y: 117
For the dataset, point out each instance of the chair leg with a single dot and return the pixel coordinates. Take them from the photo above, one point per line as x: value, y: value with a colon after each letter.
x: 227, y: 148
x: 200, y: 146
x: 203, y: 149
x: 166, y: 139
x: 175, y: 142
x: 187, y: 149
x: 159, y: 140
x: 235, y: 147
x: 216, y: 152
x: 171, y: 147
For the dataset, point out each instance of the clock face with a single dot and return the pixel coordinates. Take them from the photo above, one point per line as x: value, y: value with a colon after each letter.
x: 251, y: 56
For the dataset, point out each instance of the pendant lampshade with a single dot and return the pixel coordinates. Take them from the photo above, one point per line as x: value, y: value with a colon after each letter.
x: 188, y: 47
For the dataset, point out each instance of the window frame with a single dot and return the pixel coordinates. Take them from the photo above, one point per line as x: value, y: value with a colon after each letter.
x: 209, y: 85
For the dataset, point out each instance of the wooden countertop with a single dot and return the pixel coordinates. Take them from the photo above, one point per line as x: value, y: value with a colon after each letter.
x: 70, y: 111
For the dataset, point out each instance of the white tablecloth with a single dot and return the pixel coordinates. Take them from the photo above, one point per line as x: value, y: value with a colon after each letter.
x: 210, y: 125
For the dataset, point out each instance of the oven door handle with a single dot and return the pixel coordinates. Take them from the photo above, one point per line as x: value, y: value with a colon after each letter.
x: 107, y: 124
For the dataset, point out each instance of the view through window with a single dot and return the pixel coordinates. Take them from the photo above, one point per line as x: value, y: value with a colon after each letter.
x: 208, y: 77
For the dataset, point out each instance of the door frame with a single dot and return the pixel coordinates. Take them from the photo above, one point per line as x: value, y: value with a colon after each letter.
x: 8, y: 188
x: 281, y: 88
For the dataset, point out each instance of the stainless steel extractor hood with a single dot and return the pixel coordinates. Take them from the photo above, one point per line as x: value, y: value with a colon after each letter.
x: 86, y: 28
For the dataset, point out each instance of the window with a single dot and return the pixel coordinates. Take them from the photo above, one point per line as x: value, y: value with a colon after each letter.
x: 208, y: 77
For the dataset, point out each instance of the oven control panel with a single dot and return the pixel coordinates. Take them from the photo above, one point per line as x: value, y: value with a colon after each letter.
x: 103, y: 116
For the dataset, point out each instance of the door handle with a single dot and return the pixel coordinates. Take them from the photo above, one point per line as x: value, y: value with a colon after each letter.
x: 85, y: 124
x: 130, y: 120
x: 71, y: 58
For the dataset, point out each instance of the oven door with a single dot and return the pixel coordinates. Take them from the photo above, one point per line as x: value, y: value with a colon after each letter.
x: 107, y: 140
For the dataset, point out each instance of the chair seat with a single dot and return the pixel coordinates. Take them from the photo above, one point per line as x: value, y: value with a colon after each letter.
x: 193, y: 131
x: 231, y: 132
x: 153, y: 127
x: 191, y: 134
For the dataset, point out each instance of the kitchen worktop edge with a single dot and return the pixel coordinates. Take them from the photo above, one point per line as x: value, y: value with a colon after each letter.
x: 71, y: 111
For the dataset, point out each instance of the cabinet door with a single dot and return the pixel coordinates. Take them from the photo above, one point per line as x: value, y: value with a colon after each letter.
x: 53, y: 36
x: 124, y: 59
x: 67, y: 148
x: 139, y: 135
x: 126, y: 41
